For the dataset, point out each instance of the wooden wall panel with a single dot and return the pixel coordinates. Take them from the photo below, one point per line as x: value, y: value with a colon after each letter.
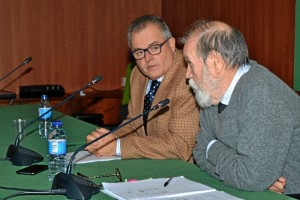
x: 70, y: 41
x: 268, y: 26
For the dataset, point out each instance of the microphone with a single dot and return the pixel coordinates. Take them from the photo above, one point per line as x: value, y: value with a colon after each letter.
x: 21, y: 156
x: 22, y: 64
x: 26, y: 61
x: 78, y: 187
x: 161, y: 104
x: 12, y: 95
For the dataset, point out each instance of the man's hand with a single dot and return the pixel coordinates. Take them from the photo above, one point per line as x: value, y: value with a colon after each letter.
x: 279, y: 185
x: 103, y: 147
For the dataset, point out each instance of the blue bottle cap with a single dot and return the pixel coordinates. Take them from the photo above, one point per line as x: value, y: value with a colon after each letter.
x: 44, y: 97
x: 57, y: 124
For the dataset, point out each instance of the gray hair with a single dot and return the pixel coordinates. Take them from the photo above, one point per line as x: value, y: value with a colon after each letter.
x: 220, y: 37
x: 140, y: 23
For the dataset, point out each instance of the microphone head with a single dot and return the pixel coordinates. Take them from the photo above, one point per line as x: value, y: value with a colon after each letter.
x: 96, y: 80
x: 26, y: 61
x: 164, y: 102
x: 161, y: 104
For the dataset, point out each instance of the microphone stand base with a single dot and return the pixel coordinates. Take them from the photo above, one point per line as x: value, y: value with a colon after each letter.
x: 7, y: 95
x: 21, y: 156
x: 76, y: 187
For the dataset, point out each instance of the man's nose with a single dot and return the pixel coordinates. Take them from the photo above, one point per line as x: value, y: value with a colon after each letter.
x: 188, y: 73
x: 148, y: 56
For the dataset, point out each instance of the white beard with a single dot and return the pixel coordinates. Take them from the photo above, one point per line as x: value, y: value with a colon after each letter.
x: 202, y: 98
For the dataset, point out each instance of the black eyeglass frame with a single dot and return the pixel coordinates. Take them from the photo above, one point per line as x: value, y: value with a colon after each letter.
x: 147, y: 49
x: 117, y: 174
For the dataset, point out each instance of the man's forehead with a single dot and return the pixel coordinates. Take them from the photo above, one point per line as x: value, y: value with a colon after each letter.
x: 146, y: 37
x: 189, y: 47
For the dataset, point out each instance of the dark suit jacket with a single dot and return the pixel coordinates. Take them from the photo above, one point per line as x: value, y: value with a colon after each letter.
x: 171, y: 131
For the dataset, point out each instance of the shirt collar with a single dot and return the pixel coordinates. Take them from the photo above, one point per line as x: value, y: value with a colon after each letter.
x: 159, y: 79
x: 150, y: 82
x: 239, y: 73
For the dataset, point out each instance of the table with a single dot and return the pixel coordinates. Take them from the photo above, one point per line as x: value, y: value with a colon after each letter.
x: 76, y: 132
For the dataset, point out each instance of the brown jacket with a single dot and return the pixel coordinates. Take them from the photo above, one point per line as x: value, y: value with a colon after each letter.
x: 171, y: 131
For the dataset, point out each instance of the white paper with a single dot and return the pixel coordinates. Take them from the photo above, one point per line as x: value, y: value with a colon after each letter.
x: 178, y: 188
x: 214, y: 195
x: 86, y: 157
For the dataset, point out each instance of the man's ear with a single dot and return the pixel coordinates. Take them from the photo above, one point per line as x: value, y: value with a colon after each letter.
x: 215, y: 60
x: 172, y: 44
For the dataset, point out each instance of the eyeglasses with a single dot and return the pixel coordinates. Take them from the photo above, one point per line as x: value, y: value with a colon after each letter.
x: 117, y: 174
x: 153, y: 50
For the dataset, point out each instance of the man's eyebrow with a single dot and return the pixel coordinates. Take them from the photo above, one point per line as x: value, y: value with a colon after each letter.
x: 186, y: 58
x: 135, y: 49
x: 149, y: 45
x: 153, y: 43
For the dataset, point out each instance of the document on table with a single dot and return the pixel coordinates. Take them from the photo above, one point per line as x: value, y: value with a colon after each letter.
x: 87, y: 157
x: 179, y: 188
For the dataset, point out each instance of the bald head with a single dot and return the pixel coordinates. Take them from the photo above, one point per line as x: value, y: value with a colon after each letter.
x: 206, y: 36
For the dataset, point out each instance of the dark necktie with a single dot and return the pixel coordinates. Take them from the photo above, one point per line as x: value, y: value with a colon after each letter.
x: 221, y: 107
x: 149, y: 99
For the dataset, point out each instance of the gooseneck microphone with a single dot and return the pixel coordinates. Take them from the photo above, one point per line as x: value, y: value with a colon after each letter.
x: 21, y: 156
x: 11, y: 95
x: 94, y: 81
x: 78, y: 187
x: 12, y: 71
x: 26, y: 61
x: 159, y: 105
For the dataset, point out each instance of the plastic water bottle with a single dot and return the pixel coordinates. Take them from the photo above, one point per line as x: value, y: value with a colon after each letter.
x: 57, y: 149
x: 45, y: 121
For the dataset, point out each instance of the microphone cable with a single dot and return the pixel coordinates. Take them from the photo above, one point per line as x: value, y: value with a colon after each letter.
x: 41, y: 192
x: 20, y: 189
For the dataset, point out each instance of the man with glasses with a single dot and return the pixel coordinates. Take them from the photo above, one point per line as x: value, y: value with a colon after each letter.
x: 160, y: 73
